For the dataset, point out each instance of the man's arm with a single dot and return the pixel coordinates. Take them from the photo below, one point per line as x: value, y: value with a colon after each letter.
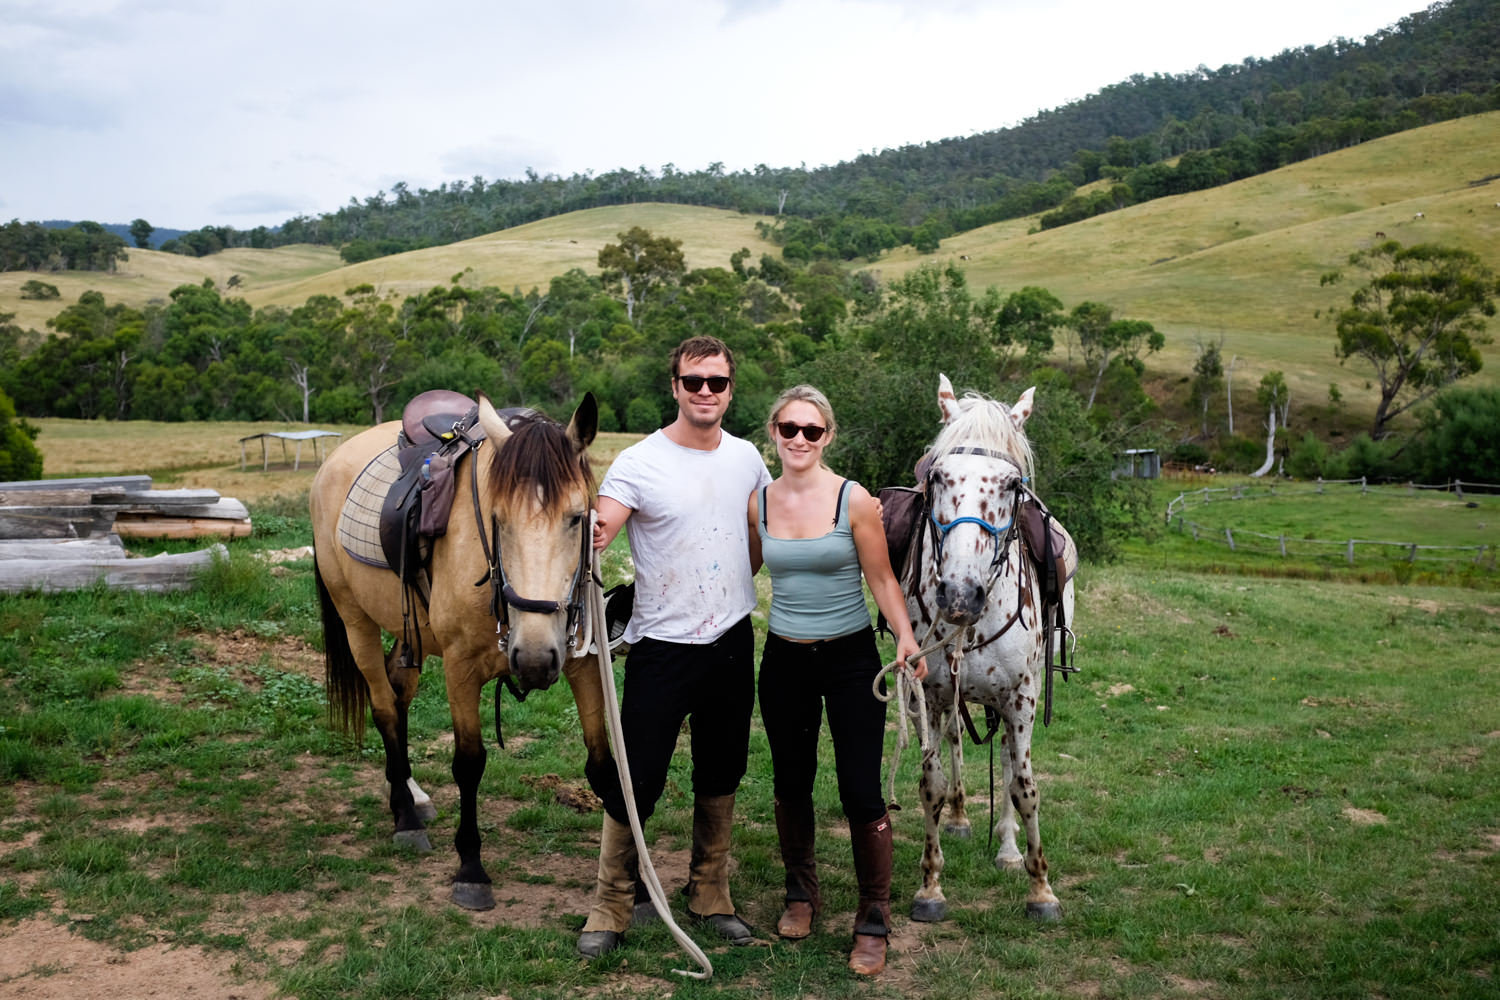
x: 612, y: 517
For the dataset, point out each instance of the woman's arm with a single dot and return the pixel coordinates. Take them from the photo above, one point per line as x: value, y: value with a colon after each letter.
x: 875, y: 563
x: 753, y: 516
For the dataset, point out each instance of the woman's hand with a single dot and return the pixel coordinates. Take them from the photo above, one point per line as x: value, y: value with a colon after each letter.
x: 906, y: 648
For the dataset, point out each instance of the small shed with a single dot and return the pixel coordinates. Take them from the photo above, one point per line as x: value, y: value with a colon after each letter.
x: 316, y: 437
x: 1138, y: 463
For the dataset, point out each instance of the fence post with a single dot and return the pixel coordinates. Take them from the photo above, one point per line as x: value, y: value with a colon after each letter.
x: 1364, y: 487
x: 1458, y: 488
x: 1350, y: 556
x: 1229, y: 534
x: 1411, y: 556
x: 1320, y: 484
x: 1283, y: 546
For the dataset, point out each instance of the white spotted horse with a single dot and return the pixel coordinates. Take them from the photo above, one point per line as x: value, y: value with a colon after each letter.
x: 974, y: 579
x: 507, y: 566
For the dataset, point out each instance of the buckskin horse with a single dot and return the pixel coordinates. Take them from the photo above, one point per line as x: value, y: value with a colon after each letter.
x: 519, y: 521
x: 972, y: 579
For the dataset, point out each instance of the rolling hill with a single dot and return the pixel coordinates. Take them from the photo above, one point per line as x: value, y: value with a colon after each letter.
x: 1241, y: 261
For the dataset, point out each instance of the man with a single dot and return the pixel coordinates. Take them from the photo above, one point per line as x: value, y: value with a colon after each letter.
x: 681, y: 495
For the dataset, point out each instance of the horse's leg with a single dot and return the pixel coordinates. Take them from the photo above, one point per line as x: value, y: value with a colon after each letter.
x: 388, y: 704
x: 928, y: 903
x: 1008, y: 857
x: 1041, y: 904
x: 588, y: 693
x: 404, y: 681
x: 471, y: 885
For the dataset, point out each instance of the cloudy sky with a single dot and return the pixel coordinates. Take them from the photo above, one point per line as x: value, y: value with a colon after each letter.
x: 248, y: 112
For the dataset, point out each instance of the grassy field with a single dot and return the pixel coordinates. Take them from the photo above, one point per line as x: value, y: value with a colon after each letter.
x: 1257, y: 788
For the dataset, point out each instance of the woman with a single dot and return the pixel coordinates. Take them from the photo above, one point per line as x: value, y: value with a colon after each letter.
x: 817, y: 533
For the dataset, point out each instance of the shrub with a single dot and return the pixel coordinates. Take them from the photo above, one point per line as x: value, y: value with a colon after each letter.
x: 19, y: 455
x: 1460, y: 436
x: 642, y: 416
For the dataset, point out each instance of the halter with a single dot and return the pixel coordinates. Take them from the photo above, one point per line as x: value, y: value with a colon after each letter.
x: 1001, y: 535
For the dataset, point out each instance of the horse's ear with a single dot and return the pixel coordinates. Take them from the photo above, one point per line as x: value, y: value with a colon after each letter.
x: 1023, y: 407
x: 947, y: 401
x: 585, y: 422
x: 495, y: 429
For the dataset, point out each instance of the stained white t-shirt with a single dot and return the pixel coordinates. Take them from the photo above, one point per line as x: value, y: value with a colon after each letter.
x: 688, y: 534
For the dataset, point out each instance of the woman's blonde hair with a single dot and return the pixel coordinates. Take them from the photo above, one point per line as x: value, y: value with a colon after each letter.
x: 803, y: 394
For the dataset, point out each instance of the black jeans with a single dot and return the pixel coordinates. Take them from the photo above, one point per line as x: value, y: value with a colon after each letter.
x: 712, y: 685
x: 796, y: 680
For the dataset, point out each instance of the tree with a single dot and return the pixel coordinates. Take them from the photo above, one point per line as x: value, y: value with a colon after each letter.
x: 640, y: 262
x: 1276, y: 397
x: 19, y: 456
x: 1027, y: 320
x: 1103, y: 338
x: 1418, y: 321
x: 1208, y: 375
x: 140, y: 231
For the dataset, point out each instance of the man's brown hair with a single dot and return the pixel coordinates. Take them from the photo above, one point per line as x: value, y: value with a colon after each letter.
x: 701, y: 347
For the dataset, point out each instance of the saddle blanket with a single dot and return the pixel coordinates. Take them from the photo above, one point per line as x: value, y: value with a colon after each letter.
x: 359, y: 521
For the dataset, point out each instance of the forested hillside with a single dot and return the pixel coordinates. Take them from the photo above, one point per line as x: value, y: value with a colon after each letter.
x: 1257, y: 115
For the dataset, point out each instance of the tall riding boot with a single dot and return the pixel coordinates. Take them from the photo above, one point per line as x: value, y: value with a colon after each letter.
x: 707, y: 890
x: 797, y: 831
x: 614, y: 894
x: 872, y: 921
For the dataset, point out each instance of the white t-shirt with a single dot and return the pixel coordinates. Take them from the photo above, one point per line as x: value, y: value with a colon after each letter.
x: 688, y: 534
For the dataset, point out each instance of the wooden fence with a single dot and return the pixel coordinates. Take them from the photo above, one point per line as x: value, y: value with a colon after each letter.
x: 1244, y: 539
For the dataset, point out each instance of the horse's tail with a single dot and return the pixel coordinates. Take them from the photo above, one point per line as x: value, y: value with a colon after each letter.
x: 348, y: 694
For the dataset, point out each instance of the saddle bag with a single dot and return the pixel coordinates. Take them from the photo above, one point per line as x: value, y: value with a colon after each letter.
x: 900, y: 515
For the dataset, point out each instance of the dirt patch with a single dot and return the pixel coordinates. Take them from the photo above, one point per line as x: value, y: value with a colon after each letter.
x: 1364, y: 817
x: 43, y: 959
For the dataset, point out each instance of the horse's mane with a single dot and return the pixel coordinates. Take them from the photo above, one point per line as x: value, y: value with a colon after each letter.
x: 538, y: 461
x: 983, y: 422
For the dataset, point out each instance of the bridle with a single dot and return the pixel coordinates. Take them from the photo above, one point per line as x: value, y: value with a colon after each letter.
x: 503, y: 596
x: 1002, y: 535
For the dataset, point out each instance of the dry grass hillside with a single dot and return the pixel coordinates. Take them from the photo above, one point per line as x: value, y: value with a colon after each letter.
x: 1242, y: 261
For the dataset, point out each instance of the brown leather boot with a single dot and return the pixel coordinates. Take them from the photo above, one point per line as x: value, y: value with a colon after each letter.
x: 614, y: 892
x: 707, y: 890
x: 872, y: 920
x: 797, y: 831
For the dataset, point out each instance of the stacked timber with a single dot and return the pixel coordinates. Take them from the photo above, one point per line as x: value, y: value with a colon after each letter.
x: 64, y: 534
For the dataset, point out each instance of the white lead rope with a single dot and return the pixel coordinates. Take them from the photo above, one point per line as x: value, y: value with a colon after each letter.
x: 912, y: 700
x: 617, y: 744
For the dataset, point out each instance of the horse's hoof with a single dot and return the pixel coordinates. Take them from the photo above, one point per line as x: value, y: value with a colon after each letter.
x: 963, y: 831
x: 1015, y: 864
x: 929, y: 911
x: 426, y: 811
x: 415, y: 840
x: 643, y: 914
x: 1047, y: 913
x: 592, y: 944
x: 474, y: 895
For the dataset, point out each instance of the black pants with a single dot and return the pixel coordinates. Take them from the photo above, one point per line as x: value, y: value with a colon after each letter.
x: 796, y: 681
x: 712, y: 685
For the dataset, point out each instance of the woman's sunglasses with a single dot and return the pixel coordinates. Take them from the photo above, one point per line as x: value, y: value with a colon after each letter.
x: 694, y: 383
x: 789, y: 430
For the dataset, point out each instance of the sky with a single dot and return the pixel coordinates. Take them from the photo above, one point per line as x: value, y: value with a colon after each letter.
x: 250, y: 112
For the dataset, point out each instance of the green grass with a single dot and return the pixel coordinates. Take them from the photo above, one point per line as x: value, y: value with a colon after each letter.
x: 1257, y: 788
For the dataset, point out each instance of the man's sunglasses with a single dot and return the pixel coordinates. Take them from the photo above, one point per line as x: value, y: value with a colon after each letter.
x: 694, y: 383
x: 789, y: 430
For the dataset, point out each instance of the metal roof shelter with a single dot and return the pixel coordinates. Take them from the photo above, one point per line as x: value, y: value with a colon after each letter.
x: 298, y: 436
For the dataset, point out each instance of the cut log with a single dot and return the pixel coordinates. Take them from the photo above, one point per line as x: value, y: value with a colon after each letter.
x: 102, y: 547
x: 55, y: 522
x: 148, y: 526
x: 168, y: 499
x: 60, y: 497
x: 172, y: 571
x: 93, y: 484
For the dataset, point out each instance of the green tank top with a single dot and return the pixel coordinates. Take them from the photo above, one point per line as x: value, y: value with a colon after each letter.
x: 817, y: 590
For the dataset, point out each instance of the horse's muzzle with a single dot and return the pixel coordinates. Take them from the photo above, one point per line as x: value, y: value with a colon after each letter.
x: 534, y: 666
x: 960, y: 603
